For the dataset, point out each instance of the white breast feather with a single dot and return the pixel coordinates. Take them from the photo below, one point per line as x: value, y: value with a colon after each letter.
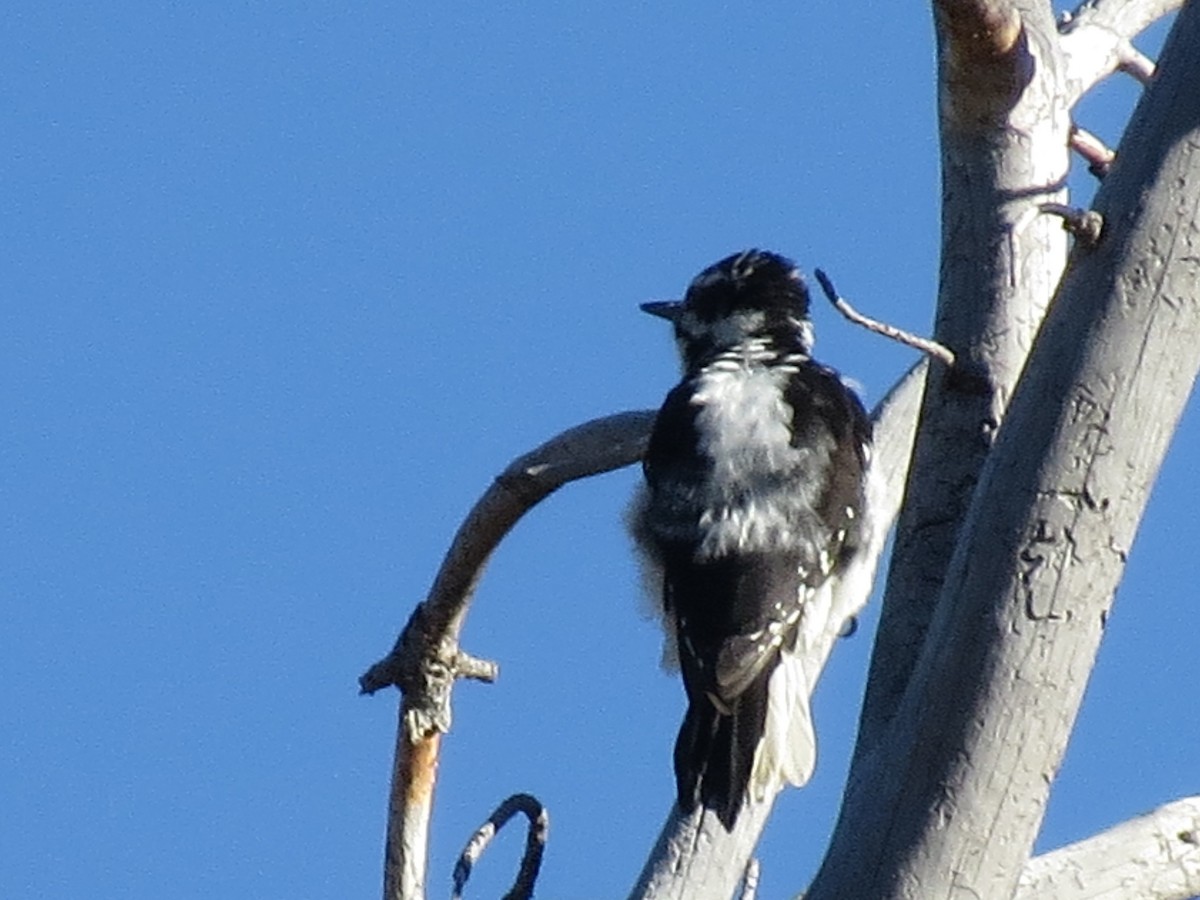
x: 744, y: 427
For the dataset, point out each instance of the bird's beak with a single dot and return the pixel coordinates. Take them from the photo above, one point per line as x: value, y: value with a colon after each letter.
x: 664, y: 309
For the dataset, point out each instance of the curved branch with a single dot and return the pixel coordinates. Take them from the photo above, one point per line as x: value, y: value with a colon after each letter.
x: 593, y: 448
x: 426, y: 659
x: 535, y: 845
x: 1155, y: 856
x: 1095, y: 41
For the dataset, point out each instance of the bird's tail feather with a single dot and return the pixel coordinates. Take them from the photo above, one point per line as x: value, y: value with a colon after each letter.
x: 715, y: 753
x: 788, y: 750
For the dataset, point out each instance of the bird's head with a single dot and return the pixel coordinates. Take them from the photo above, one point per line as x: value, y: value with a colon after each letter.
x: 753, y: 294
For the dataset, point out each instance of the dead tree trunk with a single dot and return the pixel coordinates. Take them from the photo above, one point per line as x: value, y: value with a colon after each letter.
x: 946, y: 795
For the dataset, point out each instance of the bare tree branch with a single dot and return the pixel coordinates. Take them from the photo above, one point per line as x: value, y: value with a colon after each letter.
x: 1152, y: 857
x: 1099, y: 157
x: 535, y: 845
x: 426, y: 659
x: 589, y: 449
x: 1096, y: 41
x: 410, y: 804
x: 1004, y: 152
x: 948, y: 802
x: 695, y: 858
x: 926, y: 346
x: 1125, y: 18
x: 750, y: 880
x: 1135, y: 63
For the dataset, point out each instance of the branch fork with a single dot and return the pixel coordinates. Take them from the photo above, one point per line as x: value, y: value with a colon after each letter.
x: 424, y: 664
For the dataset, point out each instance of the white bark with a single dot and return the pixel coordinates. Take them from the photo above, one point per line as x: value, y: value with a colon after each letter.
x: 1004, y: 137
x: 1152, y: 857
x: 1096, y: 40
x: 948, y: 802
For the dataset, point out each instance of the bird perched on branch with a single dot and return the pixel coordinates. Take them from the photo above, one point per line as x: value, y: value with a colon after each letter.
x: 755, y: 512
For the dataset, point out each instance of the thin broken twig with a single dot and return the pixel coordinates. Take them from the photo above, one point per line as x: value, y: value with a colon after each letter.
x: 1085, y: 225
x: 925, y: 345
x: 1135, y: 63
x: 1098, y: 155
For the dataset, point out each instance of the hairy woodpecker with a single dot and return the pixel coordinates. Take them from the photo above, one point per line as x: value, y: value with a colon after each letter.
x: 755, y: 513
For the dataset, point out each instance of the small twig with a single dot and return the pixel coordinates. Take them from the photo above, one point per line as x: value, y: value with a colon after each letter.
x: 1133, y: 61
x: 1099, y: 157
x: 468, y: 666
x: 750, y: 879
x: 925, y: 345
x: 535, y: 845
x: 1084, y: 224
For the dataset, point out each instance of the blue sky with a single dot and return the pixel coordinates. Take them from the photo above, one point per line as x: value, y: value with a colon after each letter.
x: 283, y: 287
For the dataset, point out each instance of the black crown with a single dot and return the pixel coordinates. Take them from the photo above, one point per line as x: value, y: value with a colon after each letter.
x: 750, y: 280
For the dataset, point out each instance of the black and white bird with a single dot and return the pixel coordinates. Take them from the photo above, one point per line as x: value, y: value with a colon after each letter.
x: 756, y: 515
